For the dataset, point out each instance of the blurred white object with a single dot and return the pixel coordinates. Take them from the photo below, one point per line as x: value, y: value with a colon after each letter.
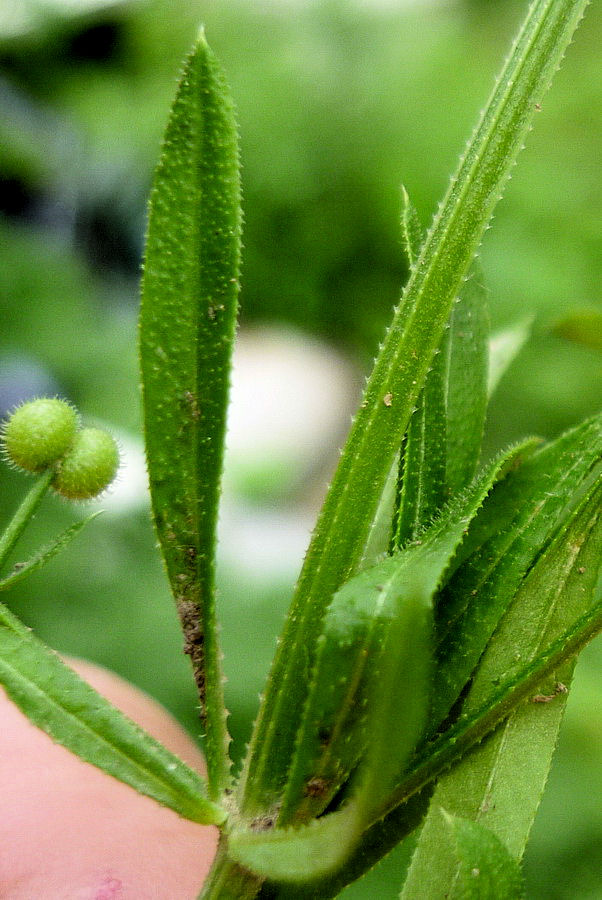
x: 290, y: 404
x: 129, y: 491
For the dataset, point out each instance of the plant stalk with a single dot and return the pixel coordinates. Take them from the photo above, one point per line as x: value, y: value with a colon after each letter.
x: 24, y: 514
x: 228, y: 880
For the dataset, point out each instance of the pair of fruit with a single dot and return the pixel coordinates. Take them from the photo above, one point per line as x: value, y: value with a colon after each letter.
x: 46, y: 433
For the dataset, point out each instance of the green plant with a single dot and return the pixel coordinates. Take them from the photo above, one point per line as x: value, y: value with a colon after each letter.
x: 441, y: 604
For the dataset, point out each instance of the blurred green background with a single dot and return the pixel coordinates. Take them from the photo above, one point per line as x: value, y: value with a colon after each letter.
x: 339, y: 103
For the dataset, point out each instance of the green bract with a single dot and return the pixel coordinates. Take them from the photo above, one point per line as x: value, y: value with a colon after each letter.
x: 89, y: 467
x: 39, y: 433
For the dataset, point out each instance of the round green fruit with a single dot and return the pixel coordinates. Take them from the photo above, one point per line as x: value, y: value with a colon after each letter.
x: 89, y: 467
x: 38, y: 433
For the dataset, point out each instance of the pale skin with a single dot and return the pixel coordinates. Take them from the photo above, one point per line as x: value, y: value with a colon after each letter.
x: 70, y: 832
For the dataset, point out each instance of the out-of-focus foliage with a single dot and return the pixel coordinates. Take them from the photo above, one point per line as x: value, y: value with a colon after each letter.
x: 339, y: 102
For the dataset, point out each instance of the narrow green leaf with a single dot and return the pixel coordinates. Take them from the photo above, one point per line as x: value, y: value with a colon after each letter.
x: 340, y: 537
x: 371, y: 681
x: 44, y: 554
x: 441, y: 450
x: 564, y: 585
x: 504, y: 347
x: 412, y: 232
x: 500, y: 782
x: 400, y: 697
x: 515, y: 525
x: 466, y: 382
x: 422, y: 469
x: 442, y: 446
x: 59, y: 702
x: 376, y: 652
x: 187, y: 324
x: 485, y: 869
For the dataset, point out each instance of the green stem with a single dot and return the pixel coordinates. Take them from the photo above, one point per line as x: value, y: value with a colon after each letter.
x: 228, y: 880
x: 24, y: 514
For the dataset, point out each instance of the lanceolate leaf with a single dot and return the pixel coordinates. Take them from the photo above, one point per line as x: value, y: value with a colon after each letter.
x: 45, y: 554
x: 500, y: 782
x: 515, y: 525
x: 442, y: 446
x: 399, y: 699
x: 397, y: 379
x: 564, y: 584
x: 422, y: 462
x: 441, y: 450
x: 377, y: 643
x: 466, y: 382
x: 188, y: 316
x: 59, y: 702
x: 437, y: 756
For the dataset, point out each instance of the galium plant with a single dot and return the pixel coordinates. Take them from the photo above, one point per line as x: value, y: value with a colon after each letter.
x: 442, y: 602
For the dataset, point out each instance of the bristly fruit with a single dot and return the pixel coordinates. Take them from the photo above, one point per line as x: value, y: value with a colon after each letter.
x: 38, y: 433
x: 89, y: 467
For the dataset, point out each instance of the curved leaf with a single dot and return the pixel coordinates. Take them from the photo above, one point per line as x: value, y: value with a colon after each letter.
x: 378, y: 840
x: 298, y: 854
